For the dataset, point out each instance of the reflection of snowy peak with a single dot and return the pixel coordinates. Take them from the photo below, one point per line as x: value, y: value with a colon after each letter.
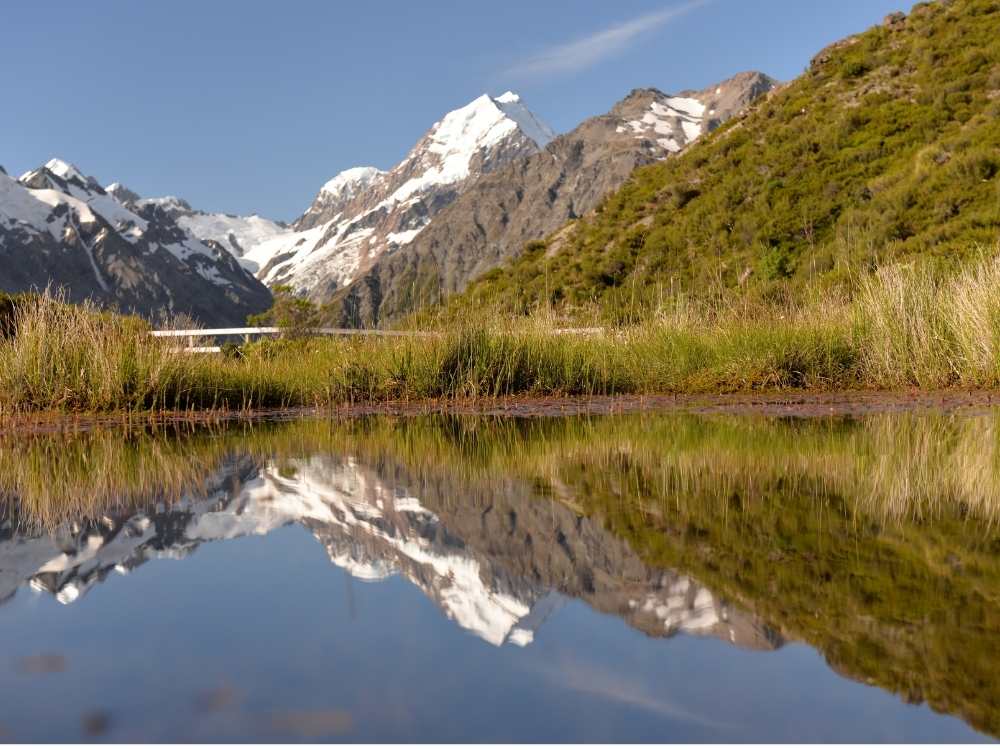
x: 371, y: 532
x: 60, y: 227
x: 372, y: 529
x: 364, y: 212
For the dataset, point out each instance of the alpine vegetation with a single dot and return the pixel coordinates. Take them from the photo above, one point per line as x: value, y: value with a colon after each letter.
x: 905, y: 327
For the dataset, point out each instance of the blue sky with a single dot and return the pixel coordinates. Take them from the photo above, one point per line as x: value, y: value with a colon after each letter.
x: 251, y: 106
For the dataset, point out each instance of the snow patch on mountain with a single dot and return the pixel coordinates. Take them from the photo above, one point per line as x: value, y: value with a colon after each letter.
x: 672, y: 122
x: 20, y: 206
x: 351, y: 181
x: 403, y: 238
x: 690, y: 107
x: 166, y: 203
x: 296, y: 244
x: 235, y: 233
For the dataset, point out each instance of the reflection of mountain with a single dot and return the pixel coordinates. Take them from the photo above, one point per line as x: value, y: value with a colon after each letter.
x: 497, y: 564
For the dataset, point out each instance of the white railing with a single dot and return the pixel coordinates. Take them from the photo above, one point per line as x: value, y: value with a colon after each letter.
x: 194, y: 335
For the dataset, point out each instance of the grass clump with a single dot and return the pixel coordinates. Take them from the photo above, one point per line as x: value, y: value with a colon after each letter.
x: 918, y: 329
x: 78, y: 358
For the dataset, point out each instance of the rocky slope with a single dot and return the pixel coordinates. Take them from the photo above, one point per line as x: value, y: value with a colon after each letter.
x: 497, y: 568
x: 60, y: 228
x: 536, y: 194
x: 364, y: 213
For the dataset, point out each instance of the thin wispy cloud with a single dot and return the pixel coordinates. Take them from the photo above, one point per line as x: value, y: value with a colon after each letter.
x: 592, y: 49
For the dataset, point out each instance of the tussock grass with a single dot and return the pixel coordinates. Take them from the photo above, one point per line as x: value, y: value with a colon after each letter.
x: 905, y: 326
x: 923, y: 330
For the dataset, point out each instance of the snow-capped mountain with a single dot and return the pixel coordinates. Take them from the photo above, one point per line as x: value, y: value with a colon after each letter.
x: 363, y: 213
x: 59, y: 227
x: 499, y: 586
x: 533, y: 196
x: 672, y: 122
x: 236, y: 234
x: 485, y: 179
x: 338, y: 192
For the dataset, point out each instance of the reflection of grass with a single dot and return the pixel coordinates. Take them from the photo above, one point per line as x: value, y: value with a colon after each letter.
x: 49, y: 479
x: 872, y: 539
x: 879, y: 467
x: 898, y: 466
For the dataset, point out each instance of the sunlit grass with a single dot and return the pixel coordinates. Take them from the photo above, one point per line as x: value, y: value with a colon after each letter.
x: 904, y: 327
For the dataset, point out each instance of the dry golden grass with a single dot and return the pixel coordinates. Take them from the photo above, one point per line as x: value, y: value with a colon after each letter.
x: 905, y: 326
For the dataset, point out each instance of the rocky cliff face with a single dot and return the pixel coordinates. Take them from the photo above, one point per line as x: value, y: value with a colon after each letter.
x: 364, y: 213
x: 60, y: 228
x: 497, y: 565
x: 537, y: 194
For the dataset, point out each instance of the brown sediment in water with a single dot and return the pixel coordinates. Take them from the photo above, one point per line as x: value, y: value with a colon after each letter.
x: 779, y: 403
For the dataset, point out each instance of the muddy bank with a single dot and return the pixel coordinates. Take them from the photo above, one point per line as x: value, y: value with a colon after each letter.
x: 805, y: 404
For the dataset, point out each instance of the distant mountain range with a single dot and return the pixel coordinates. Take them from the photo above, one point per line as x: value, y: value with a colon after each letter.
x: 498, y: 575
x: 60, y: 228
x: 484, y: 180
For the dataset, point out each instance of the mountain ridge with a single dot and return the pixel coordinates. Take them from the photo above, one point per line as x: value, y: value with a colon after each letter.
x: 364, y: 212
x: 60, y: 228
x: 360, y: 217
x: 531, y: 197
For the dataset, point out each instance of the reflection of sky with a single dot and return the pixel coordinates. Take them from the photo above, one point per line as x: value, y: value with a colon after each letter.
x: 295, y: 644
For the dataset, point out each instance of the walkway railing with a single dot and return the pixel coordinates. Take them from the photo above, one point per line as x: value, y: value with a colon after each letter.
x: 195, y: 335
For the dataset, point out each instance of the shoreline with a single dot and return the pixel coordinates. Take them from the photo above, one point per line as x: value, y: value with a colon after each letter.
x: 794, y: 404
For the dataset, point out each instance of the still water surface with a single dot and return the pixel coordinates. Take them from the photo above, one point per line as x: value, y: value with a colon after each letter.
x: 632, y: 578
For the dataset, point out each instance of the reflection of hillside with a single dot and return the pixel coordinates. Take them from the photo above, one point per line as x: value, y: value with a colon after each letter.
x: 373, y: 529
x: 912, y: 606
x: 874, y: 540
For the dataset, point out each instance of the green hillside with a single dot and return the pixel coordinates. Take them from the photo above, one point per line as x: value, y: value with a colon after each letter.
x: 888, y: 146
